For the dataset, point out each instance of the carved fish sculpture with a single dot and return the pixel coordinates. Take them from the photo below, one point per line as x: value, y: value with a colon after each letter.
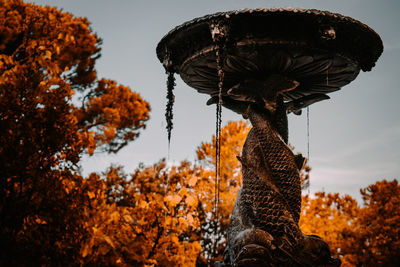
x: 264, y: 227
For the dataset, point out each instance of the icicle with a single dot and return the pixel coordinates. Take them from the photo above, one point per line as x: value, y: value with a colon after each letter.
x: 171, y: 98
x: 169, y: 116
x: 219, y: 35
x: 168, y: 65
x: 219, y: 115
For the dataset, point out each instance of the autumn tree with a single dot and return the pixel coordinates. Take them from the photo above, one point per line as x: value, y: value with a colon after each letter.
x: 159, y: 215
x: 46, y: 58
x: 359, y: 236
x: 375, y: 238
x: 149, y: 219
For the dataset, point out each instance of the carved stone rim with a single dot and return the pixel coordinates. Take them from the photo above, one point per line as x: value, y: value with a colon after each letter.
x: 359, y: 42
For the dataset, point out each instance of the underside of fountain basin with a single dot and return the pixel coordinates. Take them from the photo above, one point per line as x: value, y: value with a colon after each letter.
x: 322, y: 51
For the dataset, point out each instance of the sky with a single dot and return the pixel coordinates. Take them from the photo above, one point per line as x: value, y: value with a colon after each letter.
x: 354, y: 136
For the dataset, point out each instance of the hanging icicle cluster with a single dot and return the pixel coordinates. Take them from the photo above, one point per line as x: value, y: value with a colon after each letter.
x: 170, y: 96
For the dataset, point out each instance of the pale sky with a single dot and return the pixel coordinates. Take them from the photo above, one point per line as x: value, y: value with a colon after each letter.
x: 354, y: 136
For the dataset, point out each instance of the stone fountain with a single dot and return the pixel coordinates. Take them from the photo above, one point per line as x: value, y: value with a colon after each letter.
x: 264, y: 64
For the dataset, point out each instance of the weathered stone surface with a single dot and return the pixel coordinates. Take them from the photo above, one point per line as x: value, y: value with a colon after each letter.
x: 264, y: 227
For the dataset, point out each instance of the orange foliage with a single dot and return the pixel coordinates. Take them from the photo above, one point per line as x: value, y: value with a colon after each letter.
x: 328, y: 215
x: 233, y: 136
x: 360, y: 236
x: 164, y: 215
x: 375, y: 238
x: 111, y: 116
x: 140, y: 221
x: 47, y: 57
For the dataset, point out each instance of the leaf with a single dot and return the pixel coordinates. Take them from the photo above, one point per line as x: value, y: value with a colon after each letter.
x: 48, y: 54
x: 143, y: 204
x: 173, y: 200
x: 91, y: 194
x: 182, y: 192
x: 192, y: 181
x: 115, y: 216
x: 190, y: 219
x: 182, y: 223
x: 191, y: 201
